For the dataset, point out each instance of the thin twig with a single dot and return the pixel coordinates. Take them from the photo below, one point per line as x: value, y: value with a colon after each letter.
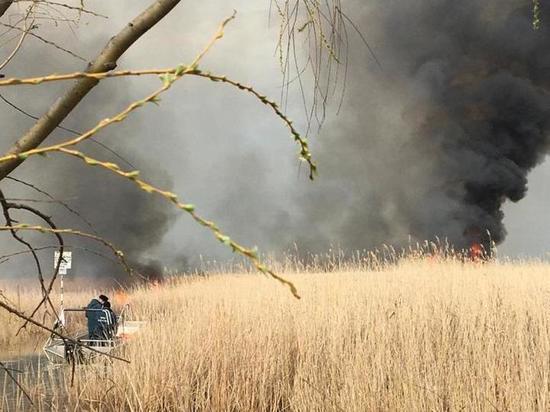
x: 9, y: 223
x: 6, y: 257
x: 75, y: 132
x: 51, y: 224
x: 46, y: 41
x: 13, y: 378
x: 67, y: 6
x: 169, y: 73
x: 251, y: 254
x: 20, y: 42
x: 54, y: 200
x: 41, y: 229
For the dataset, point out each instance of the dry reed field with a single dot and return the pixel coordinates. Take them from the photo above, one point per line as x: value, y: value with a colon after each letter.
x: 417, y: 336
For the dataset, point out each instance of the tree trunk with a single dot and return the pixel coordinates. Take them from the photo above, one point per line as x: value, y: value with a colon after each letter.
x: 4, y: 5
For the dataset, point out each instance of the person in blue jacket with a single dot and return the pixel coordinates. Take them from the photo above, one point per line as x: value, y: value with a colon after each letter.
x: 94, y: 312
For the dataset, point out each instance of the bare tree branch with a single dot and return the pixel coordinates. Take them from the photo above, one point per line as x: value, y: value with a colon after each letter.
x: 61, y: 245
x: 41, y: 229
x: 106, y: 61
x: 43, y: 40
x: 26, y: 30
x: 9, y: 372
x: 6, y: 206
x: 52, y: 200
x: 9, y: 222
x: 7, y: 257
x: 80, y: 9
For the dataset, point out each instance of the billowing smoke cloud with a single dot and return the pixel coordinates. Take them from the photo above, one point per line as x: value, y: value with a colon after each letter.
x: 156, y: 141
x: 433, y: 144
x: 110, y: 207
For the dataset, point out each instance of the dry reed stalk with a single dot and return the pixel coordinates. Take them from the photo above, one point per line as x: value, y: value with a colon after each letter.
x: 420, y: 335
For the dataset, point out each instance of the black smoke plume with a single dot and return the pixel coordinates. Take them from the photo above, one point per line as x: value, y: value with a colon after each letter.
x: 430, y: 145
x: 448, y: 130
x: 151, y: 270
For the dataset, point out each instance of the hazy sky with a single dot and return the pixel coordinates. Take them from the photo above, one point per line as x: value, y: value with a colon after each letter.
x: 528, y: 221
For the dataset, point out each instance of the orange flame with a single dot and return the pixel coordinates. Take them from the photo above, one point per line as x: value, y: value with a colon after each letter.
x: 121, y: 297
x: 476, y: 251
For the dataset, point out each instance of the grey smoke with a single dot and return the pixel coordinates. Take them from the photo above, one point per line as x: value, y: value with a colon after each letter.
x: 132, y: 220
x: 432, y: 145
x: 437, y: 142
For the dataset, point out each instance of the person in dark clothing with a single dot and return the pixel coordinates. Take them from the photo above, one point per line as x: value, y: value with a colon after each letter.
x: 93, y: 313
x: 109, y: 320
x: 102, y: 321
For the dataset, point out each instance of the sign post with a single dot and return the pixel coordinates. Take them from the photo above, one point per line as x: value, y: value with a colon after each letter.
x: 64, y: 265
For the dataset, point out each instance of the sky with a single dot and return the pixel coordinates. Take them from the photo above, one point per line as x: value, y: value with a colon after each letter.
x: 528, y: 221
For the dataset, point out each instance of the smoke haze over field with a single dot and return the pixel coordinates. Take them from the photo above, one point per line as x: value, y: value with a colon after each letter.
x: 431, y: 145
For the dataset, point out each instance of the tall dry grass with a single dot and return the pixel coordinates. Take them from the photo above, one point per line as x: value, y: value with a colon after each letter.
x: 420, y: 335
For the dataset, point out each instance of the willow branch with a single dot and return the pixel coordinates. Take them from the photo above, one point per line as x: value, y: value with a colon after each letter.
x: 67, y: 129
x: 250, y: 254
x: 305, y: 154
x: 169, y: 75
x: 167, y: 82
x: 106, y: 61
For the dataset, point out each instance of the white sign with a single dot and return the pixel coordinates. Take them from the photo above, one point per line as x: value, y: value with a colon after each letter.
x: 66, y: 261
